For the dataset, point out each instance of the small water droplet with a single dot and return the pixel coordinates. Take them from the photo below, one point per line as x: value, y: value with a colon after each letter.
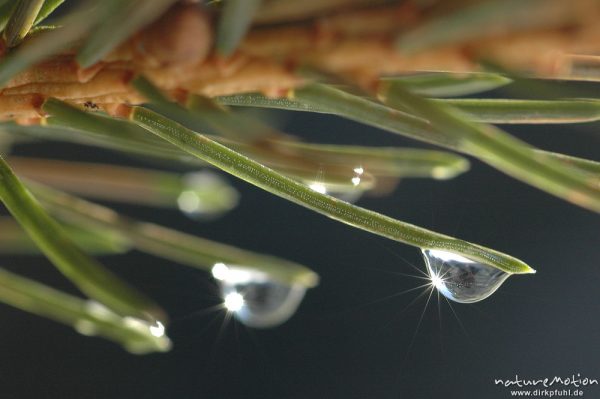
x: 461, y: 279
x: 254, y: 298
x: 206, y: 196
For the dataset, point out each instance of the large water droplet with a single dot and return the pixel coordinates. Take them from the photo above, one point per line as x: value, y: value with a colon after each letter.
x: 254, y: 298
x: 206, y: 196
x: 461, y: 279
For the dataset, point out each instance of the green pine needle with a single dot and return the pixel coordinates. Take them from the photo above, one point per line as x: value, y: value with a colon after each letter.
x: 125, y: 17
x: 511, y: 111
x: 21, y: 21
x: 236, y: 17
x: 445, y: 84
x: 275, y: 183
x: 87, y: 317
x: 502, y: 151
x: 90, y: 276
x: 170, y: 244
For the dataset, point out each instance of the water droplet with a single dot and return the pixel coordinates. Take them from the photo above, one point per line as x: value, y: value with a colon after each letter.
x: 206, y: 196
x: 254, y: 298
x: 461, y: 279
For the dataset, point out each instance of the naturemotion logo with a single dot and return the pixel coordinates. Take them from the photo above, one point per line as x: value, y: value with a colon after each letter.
x: 556, y: 386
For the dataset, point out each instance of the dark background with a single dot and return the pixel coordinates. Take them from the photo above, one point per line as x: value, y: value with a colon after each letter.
x: 355, y: 335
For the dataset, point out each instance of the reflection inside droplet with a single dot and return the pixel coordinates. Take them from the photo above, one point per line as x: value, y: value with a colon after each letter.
x: 318, y: 187
x: 461, y: 279
x: 359, y: 170
x: 234, y: 301
x: 220, y: 271
x: 157, y: 330
x: 349, y: 191
x: 254, y: 298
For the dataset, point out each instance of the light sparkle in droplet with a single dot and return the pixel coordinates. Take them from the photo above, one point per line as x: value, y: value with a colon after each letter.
x: 157, y: 330
x: 220, y: 271
x: 461, y: 279
x: 437, y: 282
x: 318, y: 187
x: 234, y: 301
x: 256, y: 300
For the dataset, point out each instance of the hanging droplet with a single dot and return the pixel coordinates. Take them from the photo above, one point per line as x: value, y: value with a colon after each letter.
x: 206, y: 196
x: 461, y: 279
x: 254, y: 298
